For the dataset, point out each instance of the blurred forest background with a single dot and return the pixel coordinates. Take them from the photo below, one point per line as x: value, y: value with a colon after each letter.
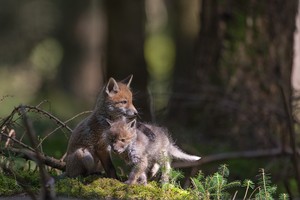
x: 217, y: 73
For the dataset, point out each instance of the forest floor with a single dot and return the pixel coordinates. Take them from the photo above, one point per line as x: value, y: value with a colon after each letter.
x: 27, y: 197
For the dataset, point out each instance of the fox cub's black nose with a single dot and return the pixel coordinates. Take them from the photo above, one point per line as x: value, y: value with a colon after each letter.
x: 131, y: 113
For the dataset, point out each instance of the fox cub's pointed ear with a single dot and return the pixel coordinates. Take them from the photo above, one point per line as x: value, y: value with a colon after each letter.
x: 131, y: 124
x: 127, y: 80
x: 112, y: 87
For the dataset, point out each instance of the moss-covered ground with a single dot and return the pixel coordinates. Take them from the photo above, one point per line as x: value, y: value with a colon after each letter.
x: 91, y: 187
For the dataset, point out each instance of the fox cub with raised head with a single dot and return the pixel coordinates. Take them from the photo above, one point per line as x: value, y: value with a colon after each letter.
x: 87, y: 150
x: 143, y: 152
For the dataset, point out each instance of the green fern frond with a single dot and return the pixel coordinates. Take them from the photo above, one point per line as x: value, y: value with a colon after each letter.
x: 284, y: 196
x: 232, y: 185
x: 248, y: 183
x: 200, y: 176
x: 266, y: 189
x: 216, y: 186
x: 223, y: 170
x: 198, y: 185
x: 218, y: 180
x: 175, y: 176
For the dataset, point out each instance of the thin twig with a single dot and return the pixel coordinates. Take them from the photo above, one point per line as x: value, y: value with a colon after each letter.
x: 65, y: 122
x: 17, y: 141
x: 49, y: 115
x: 46, y: 180
x: 42, y: 102
x: 9, y: 117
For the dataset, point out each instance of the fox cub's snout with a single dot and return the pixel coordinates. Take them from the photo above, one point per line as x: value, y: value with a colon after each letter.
x: 120, y: 135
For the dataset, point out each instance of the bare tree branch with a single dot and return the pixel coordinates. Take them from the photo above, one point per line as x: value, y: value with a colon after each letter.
x: 65, y: 122
x: 47, y: 181
x: 49, y: 115
x: 16, y: 141
x: 30, y: 155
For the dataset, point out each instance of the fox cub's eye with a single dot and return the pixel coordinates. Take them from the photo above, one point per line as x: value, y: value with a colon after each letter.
x: 123, y: 140
x: 124, y: 102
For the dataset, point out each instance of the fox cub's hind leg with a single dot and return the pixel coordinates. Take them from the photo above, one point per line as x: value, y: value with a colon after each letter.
x: 143, y: 179
x: 138, y: 172
x: 80, y: 162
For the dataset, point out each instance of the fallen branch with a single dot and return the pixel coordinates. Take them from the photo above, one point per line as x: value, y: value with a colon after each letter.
x: 30, y: 155
x: 256, y: 154
x: 235, y: 155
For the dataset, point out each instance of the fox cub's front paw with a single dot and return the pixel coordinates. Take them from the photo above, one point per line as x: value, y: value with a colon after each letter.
x: 130, y: 182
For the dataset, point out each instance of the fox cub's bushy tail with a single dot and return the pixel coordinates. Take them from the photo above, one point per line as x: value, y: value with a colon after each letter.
x: 178, y: 154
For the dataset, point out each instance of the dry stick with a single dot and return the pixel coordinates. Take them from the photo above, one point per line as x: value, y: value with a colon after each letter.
x: 9, y: 117
x: 49, y: 115
x: 46, y: 180
x: 65, y: 122
x: 17, y: 141
x: 35, y: 108
x: 42, y: 102
x: 30, y: 155
x: 52, y: 162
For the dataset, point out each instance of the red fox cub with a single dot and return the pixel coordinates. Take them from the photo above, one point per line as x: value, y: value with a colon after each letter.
x: 87, y: 151
x: 142, y: 151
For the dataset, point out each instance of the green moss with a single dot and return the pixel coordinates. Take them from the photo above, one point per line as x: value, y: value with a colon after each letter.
x: 111, y: 188
x: 96, y: 187
x: 9, y: 184
x: 91, y: 187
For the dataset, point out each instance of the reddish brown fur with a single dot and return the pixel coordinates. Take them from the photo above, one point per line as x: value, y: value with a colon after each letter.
x: 87, y: 149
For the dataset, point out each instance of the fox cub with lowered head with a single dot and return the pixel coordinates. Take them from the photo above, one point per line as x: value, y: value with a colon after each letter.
x: 142, y: 151
x: 87, y: 150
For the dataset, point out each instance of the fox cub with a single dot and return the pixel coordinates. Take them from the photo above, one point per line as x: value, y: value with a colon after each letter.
x: 87, y: 150
x: 142, y: 151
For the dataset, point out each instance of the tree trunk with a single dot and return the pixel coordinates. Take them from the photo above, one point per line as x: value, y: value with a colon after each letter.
x: 194, y: 64
x: 125, y: 53
x: 72, y: 52
x: 296, y: 69
x: 82, y: 34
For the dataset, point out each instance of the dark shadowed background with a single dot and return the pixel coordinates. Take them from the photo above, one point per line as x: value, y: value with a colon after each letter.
x: 216, y: 73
